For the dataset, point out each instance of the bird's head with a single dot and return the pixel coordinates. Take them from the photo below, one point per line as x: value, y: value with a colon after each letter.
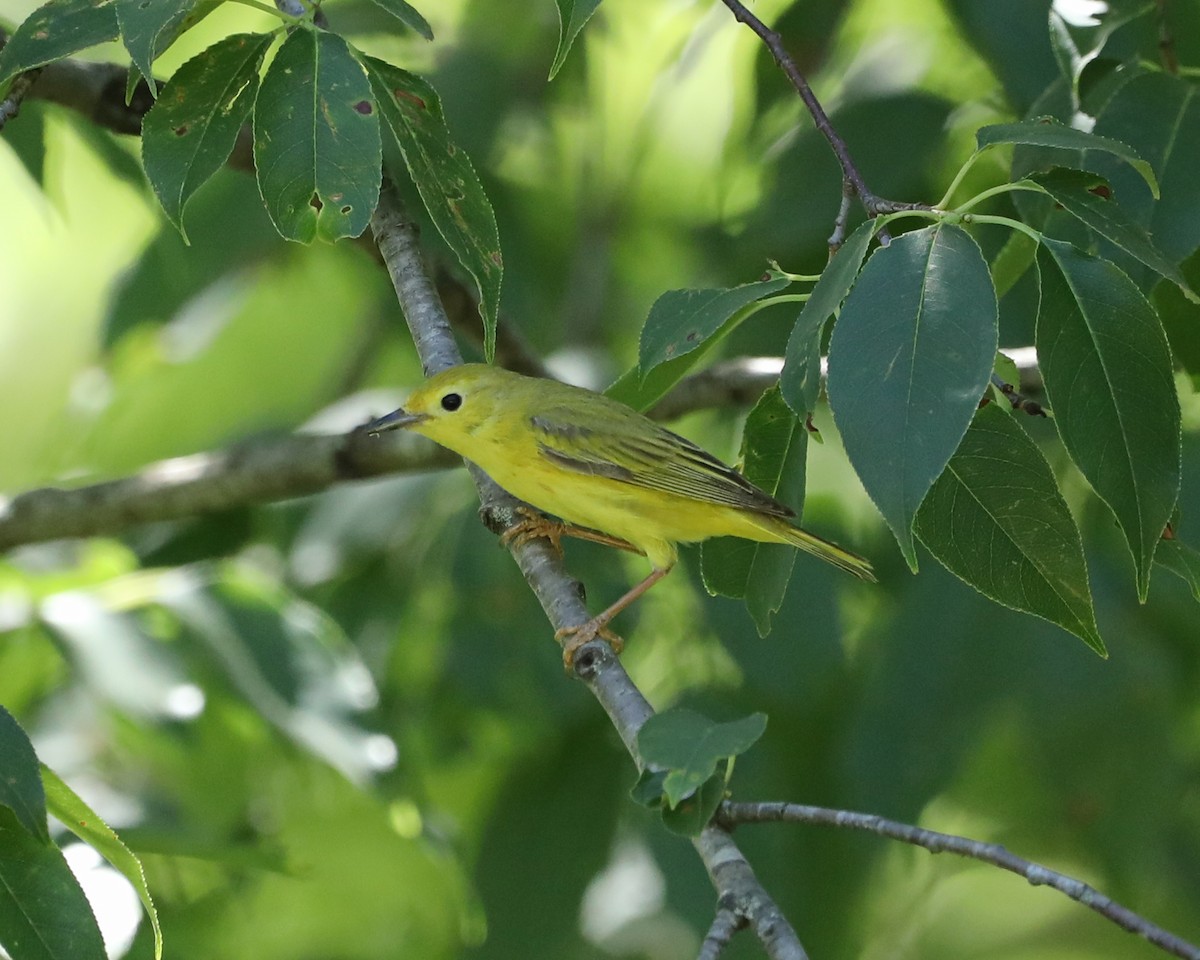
x: 452, y: 405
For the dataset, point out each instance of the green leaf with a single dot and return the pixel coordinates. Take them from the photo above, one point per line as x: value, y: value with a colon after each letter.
x: 56, y: 30
x: 996, y: 519
x: 144, y: 24
x: 20, y: 786
x: 1159, y: 116
x: 1048, y: 132
x: 190, y: 131
x: 692, y: 814
x: 572, y: 15
x: 1076, y: 193
x: 801, y: 377
x: 1014, y: 258
x: 316, y: 140
x: 1107, y: 369
x: 690, y: 745
x: 446, y: 181
x: 910, y: 358
x: 774, y: 445
x: 1183, y: 561
x: 82, y: 821
x: 407, y: 14
x: 682, y: 320
x: 648, y: 791
x: 43, y: 912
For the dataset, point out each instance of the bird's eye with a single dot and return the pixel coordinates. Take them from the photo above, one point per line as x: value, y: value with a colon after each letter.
x: 451, y: 402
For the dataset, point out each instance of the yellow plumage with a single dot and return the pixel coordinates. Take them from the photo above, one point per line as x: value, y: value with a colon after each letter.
x: 599, y: 464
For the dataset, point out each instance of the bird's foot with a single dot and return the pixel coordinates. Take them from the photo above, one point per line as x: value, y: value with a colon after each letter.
x: 572, y: 638
x: 533, y: 526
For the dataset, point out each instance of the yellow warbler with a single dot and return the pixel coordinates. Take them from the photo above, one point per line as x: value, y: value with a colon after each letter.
x: 600, y: 465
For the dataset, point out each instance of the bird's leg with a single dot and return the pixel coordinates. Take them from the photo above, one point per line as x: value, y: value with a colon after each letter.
x: 536, y: 525
x: 576, y: 637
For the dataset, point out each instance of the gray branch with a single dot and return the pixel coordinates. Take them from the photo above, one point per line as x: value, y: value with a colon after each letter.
x: 725, y: 924
x: 731, y: 814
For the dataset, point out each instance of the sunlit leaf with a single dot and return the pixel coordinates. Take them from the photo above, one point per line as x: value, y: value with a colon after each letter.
x: 572, y: 15
x: 317, y: 145
x: 1107, y: 370
x: 996, y: 519
x: 910, y: 358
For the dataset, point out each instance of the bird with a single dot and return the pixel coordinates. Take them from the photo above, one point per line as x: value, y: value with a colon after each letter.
x: 608, y: 473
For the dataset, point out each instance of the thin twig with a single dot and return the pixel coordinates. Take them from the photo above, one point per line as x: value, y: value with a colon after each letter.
x: 725, y: 924
x: 1166, y: 42
x: 10, y: 106
x: 731, y: 814
x: 556, y: 590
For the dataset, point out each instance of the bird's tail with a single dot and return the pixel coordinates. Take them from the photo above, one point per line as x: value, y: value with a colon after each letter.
x: 825, y: 550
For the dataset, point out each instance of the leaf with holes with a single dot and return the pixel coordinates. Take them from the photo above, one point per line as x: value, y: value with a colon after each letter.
x: 910, y: 359
x: 408, y: 15
x: 56, y: 30
x: 190, y: 131
x: 690, y: 746
x: 1107, y: 369
x: 996, y: 520
x: 774, y: 445
x: 446, y: 181
x: 801, y: 377
x: 317, y: 145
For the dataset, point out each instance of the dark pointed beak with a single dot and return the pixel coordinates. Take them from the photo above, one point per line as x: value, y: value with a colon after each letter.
x: 394, y: 421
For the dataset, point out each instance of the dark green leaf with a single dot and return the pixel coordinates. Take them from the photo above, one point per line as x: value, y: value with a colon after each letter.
x: 801, y: 377
x: 20, y: 783
x: 190, y: 131
x: 1107, y: 369
x: 57, y: 30
x: 144, y: 25
x: 682, y: 320
x: 691, y: 745
x: 773, y: 457
x: 1047, y: 132
x: 1159, y: 116
x: 691, y: 815
x: 448, y: 184
x: 43, y: 912
x: 1181, y: 319
x: 407, y: 14
x: 82, y: 821
x: 910, y: 358
x: 1076, y: 193
x: 1183, y: 561
x: 1014, y: 258
x: 316, y: 140
x: 572, y: 15
x: 648, y: 791
x: 995, y: 519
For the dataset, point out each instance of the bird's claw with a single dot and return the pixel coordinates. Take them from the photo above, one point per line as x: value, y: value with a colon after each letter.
x: 573, y: 638
x: 533, y: 527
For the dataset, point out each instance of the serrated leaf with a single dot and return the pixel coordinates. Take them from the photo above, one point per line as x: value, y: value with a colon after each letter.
x: 56, y: 30
x: 82, y: 821
x: 1159, y: 116
x: 20, y: 785
x: 1075, y: 192
x: 317, y: 145
x: 995, y: 519
x: 190, y: 131
x: 910, y: 358
x: 43, y: 912
x: 143, y: 24
x: 1182, y: 560
x: 446, y: 181
x: 774, y: 445
x: 1048, y: 132
x: 407, y: 14
x: 1107, y: 370
x: 682, y: 320
x: 690, y: 746
x: 692, y: 813
x: 801, y: 377
x: 572, y: 16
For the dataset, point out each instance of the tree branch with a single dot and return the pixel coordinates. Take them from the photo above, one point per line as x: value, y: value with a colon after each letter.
x: 725, y: 924
x: 556, y: 590
x: 731, y: 814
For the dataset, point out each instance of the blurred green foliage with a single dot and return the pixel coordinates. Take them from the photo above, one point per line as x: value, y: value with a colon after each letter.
x: 337, y: 727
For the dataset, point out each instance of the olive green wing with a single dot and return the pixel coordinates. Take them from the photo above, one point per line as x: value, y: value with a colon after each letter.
x: 610, y: 440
